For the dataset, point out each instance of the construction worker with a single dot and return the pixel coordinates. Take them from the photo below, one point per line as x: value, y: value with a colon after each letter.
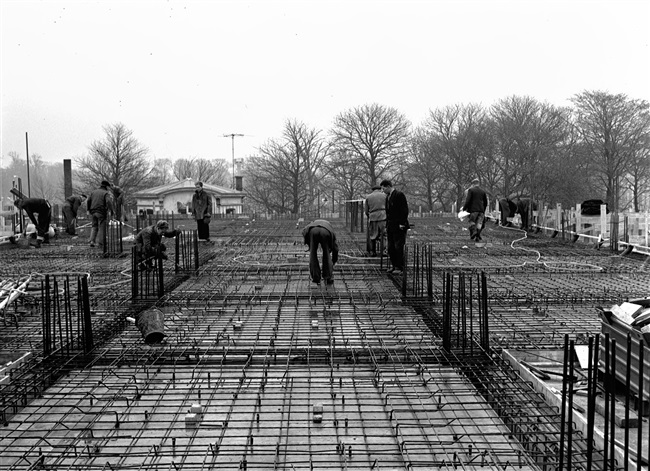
x: 42, y: 208
x: 149, y: 244
x: 507, y: 208
x: 376, y: 212
x: 320, y: 233
x: 525, y: 208
x: 100, y: 207
x: 475, y: 204
x: 70, y: 209
x: 202, y: 211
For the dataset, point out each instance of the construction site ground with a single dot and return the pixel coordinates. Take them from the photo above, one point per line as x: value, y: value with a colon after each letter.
x: 262, y: 369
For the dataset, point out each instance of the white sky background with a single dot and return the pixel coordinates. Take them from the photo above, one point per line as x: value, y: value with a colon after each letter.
x: 180, y: 74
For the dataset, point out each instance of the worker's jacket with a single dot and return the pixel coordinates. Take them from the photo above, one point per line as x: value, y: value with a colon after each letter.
x: 376, y: 206
x: 334, y: 246
x: 201, y: 205
x: 148, y: 240
x: 100, y: 201
x: 74, y: 202
x: 37, y: 205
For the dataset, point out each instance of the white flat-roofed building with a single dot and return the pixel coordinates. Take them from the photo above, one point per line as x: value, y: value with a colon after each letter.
x: 177, y: 198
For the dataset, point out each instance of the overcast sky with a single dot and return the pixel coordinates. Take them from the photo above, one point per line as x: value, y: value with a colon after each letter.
x: 181, y: 74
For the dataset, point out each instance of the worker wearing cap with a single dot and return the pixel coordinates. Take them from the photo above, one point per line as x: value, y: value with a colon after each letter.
x: 376, y: 212
x: 70, y: 209
x: 149, y: 244
x: 42, y: 208
x: 100, y: 207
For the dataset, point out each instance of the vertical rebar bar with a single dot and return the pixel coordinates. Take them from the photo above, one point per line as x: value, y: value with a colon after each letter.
x: 87, y: 323
x: 640, y: 409
x: 563, y: 410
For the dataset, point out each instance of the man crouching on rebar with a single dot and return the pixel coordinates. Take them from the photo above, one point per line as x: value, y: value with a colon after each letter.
x: 149, y: 246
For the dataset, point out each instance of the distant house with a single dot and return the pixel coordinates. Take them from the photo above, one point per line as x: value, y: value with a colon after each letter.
x: 177, y: 198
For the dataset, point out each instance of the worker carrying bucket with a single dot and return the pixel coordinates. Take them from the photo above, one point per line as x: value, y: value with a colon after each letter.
x: 149, y: 244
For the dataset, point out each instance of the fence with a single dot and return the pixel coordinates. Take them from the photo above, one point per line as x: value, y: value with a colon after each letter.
x: 630, y: 230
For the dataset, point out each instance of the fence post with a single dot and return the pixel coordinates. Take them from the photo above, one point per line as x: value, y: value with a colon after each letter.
x: 195, y: 244
x: 134, y: 274
x: 177, y: 254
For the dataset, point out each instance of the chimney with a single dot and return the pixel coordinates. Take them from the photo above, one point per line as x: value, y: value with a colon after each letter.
x: 67, y: 178
x: 239, y: 184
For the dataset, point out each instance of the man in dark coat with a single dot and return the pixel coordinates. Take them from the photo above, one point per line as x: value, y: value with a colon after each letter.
x: 320, y: 233
x: 33, y: 206
x: 475, y: 204
x: 524, y: 209
x: 149, y: 244
x: 397, y: 223
x: 202, y: 211
x: 70, y: 209
x: 376, y: 212
x: 507, y: 208
x: 100, y: 207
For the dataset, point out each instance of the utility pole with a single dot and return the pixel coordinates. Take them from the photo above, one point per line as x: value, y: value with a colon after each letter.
x: 233, y: 136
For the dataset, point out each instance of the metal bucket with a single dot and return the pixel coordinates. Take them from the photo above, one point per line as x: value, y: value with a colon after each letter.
x: 152, y: 325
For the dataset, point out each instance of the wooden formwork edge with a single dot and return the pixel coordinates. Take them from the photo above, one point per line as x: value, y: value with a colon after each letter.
x: 554, y: 400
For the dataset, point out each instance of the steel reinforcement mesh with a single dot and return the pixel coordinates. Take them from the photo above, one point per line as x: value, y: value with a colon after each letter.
x: 261, y: 369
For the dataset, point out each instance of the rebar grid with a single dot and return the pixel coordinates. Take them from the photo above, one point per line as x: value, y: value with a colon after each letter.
x: 407, y: 403
x: 254, y: 350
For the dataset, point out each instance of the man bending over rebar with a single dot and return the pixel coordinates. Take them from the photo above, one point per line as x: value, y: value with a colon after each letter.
x: 149, y: 246
x: 33, y: 206
x: 320, y: 233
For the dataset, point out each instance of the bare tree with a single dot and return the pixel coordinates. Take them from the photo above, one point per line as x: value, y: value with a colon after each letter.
x: 530, y: 136
x: 265, y: 192
x: 461, y: 141
x: 183, y: 168
x: 118, y: 158
x: 161, y: 172
x: 46, y: 180
x: 638, y: 178
x: 16, y: 168
x: 309, y: 150
x: 291, y: 163
x: 425, y: 174
x: 376, y: 135
x: 344, y: 175
x: 614, y: 129
x: 208, y: 171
